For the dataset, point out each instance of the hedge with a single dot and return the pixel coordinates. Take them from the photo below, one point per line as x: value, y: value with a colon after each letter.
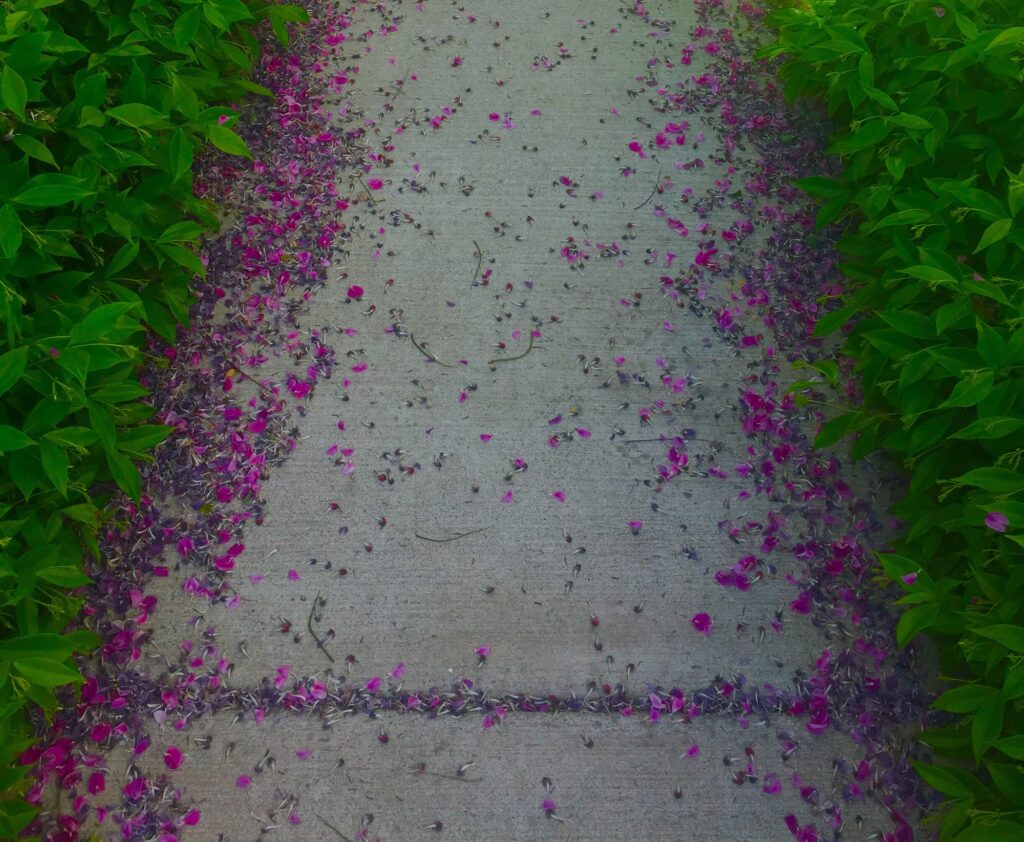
x: 103, y: 105
x: 928, y: 107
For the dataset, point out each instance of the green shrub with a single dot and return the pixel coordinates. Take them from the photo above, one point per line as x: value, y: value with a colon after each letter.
x: 928, y: 102
x: 103, y: 104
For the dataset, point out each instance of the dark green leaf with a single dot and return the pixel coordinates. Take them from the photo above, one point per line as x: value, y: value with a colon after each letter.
x: 11, y: 438
x: 985, y: 729
x: 34, y: 149
x: 65, y: 576
x: 136, y: 114
x: 914, y: 621
x: 1012, y: 637
x: 55, y: 465
x: 13, y: 93
x: 227, y: 141
x: 971, y: 389
x: 967, y: 698
x: 12, y: 366
x: 125, y: 474
x: 996, y: 480
x: 1012, y: 746
x: 942, y: 780
x: 46, y: 672
x: 995, y: 427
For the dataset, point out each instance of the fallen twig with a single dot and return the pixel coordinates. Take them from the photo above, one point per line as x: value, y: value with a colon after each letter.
x: 453, y: 538
x: 332, y: 827
x: 309, y: 624
x: 427, y: 353
x: 653, y: 191
x: 479, y: 261
x: 369, y: 195
x: 529, y: 348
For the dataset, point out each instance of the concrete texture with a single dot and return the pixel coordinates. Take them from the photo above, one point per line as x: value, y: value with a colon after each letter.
x: 511, y: 582
x: 428, y: 604
x: 622, y: 787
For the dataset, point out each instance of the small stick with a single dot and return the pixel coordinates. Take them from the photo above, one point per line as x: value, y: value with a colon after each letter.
x: 266, y: 391
x: 510, y: 359
x: 369, y: 195
x: 479, y: 261
x: 449, y: 777
x: 427, y: 353
x: 316, y: 637
x: 453, y: 538
x: 332, y: 827
x: 400, y: 87
x: 653, y: 191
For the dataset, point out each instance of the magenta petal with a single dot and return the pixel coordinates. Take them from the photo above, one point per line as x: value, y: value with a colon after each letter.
x: 997, y: 521
x: 702, y: 623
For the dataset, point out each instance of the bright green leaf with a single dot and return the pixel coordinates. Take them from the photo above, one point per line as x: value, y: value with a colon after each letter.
x: 13, y: 92
x: 46, y: 672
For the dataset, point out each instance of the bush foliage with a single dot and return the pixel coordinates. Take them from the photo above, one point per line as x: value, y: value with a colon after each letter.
x: 929, y: 109
x: 103, y: 104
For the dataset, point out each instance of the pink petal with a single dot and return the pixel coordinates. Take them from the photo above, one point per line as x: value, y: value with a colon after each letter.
x: 485, y: 437
x: 559, y: 495
x: 173, y: 757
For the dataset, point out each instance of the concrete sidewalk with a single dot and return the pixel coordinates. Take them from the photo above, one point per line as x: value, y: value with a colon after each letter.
x: 524, y: 204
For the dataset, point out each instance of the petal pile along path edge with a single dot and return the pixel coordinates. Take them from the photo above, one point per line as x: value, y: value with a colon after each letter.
x: 509, y: 299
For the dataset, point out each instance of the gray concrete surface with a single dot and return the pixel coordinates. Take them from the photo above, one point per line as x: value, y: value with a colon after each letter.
x: 429, y: 604
x: 622, y: 788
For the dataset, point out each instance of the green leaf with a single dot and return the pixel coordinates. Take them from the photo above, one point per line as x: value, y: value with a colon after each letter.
x: 186, y: 27
x: 942, y: 780
x: 65, y: 576
x: 914, y: 621
x: 835, y: 429
x: 1009, y: 780
x: 967, y: 698
x: 290, y: 13
x: 911, y: 216
x: 931, y: 274
x: 34, y: 149
x: 12, y: 366
x: 227, y: 141
x: 47, y: 673
x: 988, y: 830
x: 1011, y: 746
x: 896, y: 166
x: 52, y: 194
x: 831, y: 322
x: 11, y: 438
x: 972, y: 389
x: 103, y: 424
x: 179, y: 150
x: 137, y: 115
x: 13, y: 92
x: 995, y: 427
x: 909, y: 121
x: 1012, y: 35
x: 1012, y: 637
x: 994, y: 233
x: 104, y: 322
x: 55, y: 465
x: 125, y: 474
x: 986, y: 727
x: 996, y: 480
x: 181, y: 232
x: 144, y: 437
x: 10, y: 231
